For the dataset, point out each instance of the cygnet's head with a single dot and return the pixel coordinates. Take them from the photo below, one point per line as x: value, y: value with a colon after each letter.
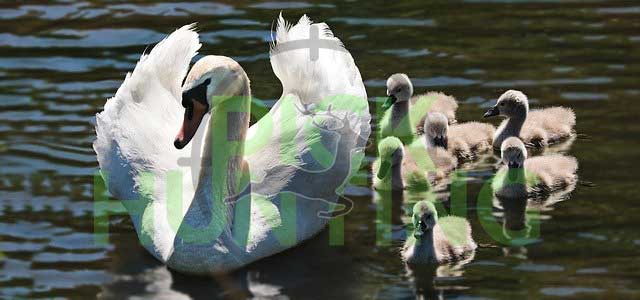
x: 399, y: 89
x: 514, y: 153
x: 425, y: 217
x: 436, y: 126
x: 390, y: 151
x: 511, y: 104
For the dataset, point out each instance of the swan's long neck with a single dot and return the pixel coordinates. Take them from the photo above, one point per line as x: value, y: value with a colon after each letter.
x: 399, y: 112
x: 224, y: 174
x: 514, y: 125
x: 513, y: 184
x: 400, y: 121
x: 428, y: 141
x: 514, y: 213
x: 424, y: 247
x: 396, y: 177
x: 512, y: 128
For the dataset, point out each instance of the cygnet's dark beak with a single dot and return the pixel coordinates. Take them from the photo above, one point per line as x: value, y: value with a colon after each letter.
x: 390, y: 101
x: 421, y: 229
x: 513, y: 165
x: 384, y: 169
x: 441, y: 141
x: 494, y: 111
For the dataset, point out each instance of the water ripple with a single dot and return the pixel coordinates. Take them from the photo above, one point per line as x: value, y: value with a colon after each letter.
x: 174, y: 9
x: 289, y: 5
x: 61, y: 64
x: 97, y: 38
x: 385, y: 21
x: 428, y: 82
x: 557, y: 81
x: 569, y: 291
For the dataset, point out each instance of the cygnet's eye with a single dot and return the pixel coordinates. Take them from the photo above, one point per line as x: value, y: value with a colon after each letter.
x: 502, y: 104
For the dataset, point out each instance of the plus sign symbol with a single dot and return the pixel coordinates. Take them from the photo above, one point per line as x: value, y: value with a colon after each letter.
x: 314, y: 43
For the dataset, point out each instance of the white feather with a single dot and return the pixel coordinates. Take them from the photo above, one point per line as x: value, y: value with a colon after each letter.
x: 332, y: 73
x: 134, y: 130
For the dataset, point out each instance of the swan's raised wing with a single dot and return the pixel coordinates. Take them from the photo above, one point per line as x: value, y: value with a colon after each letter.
x: 136, y: 129
x: 312, y: 63
x: 320, y: 125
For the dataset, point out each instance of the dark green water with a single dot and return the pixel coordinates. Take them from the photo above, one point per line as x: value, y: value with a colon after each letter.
x: 59, y: 62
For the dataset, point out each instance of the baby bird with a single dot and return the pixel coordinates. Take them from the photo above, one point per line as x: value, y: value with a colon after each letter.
x: 534, y: 177
x: 465, y: 140
x: 396, y: 120
x: 436, y: 102
x: 387, y: 168
x: 537, y: 128
x: 437, y: 240
x: 404, y: 115
x: 411, y: 167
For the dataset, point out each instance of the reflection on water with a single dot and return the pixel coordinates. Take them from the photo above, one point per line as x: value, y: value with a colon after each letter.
x: 60, y: 60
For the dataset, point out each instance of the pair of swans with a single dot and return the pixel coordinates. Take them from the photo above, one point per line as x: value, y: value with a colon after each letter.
x: 255, y: 191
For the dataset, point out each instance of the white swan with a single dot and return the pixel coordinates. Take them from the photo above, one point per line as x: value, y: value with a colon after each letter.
x: 298, y: 157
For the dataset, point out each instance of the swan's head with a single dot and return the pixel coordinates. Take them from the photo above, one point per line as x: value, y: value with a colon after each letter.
x: 513, y: 152
x: 436, y: 126
x: 399, y: 89
x: 425, y: 217
x: 511, y: 104
x: 211, y: 81
x: 390, y: 151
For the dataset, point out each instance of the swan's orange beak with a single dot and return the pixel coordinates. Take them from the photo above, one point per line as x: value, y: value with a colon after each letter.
x: 193, y: 115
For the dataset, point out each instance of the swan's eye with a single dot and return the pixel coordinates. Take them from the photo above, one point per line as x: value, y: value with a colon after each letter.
x: 502, y: 104
x: 196, y: 93
x: 189, y: 109
x: 186, y: 102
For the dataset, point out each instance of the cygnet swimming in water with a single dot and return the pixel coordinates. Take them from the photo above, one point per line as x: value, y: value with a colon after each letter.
x: 536, y: 128
x: 437, y: 240
x: 465, y: 140
x: 532, y: 177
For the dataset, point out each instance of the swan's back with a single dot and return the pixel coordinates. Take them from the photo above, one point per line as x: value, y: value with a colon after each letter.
x: 548, y: 126
x: 453, y: 239
x: 419, y: 173
x: 320, y: 125
x: 468, y: 139
x: 327, y: 81
x: 444, y: 162
x: 554, y: 171
x: 441, y: 102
